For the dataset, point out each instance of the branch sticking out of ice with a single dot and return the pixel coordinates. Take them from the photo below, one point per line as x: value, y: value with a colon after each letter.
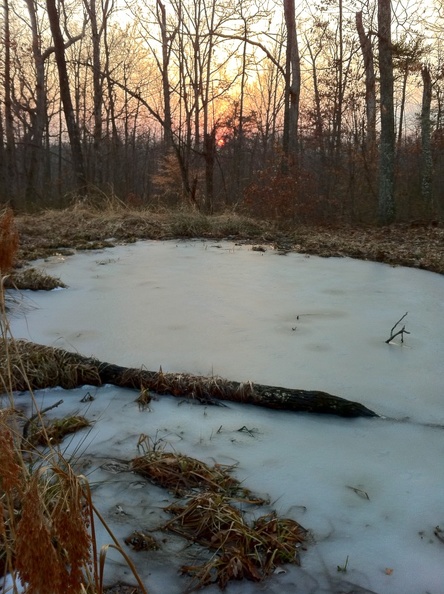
x: 401, y: 332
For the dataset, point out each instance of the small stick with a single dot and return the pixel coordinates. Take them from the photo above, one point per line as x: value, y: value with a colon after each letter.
x: 39, y: 414
x: 400, y: 332
x: 400, y: 320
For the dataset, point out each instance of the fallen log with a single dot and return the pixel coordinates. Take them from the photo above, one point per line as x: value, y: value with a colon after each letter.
x: 26, y: 365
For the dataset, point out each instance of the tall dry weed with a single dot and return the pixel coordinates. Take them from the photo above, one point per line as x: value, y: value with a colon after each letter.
x: 47, y: 535
x: 9, y: 241
x: 44, y: 514
x: 11, y: 476
x: 37, y: 561
x: 52, y: 541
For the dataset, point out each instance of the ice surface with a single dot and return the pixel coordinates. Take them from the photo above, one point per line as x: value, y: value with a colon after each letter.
x: 297, y: 321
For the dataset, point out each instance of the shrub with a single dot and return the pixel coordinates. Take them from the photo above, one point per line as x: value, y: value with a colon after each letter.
x: 288, y: 197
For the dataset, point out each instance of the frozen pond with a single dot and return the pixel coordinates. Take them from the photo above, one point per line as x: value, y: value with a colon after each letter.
x: 217, y: 308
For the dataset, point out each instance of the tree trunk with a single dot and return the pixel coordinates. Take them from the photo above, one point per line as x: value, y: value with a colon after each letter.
x: 11, y: 168
x: 426, y: 148
x: 96, y: 33
x: 370, y: 83
x: 209, y: 156
x: 39, y: 122
x: 292, y: 83
x: 405, y: 76
x: 166, y: 40
x: 71, y: 123
x: 386, y: 201
x: 46, y: 367
x: 340, y: 87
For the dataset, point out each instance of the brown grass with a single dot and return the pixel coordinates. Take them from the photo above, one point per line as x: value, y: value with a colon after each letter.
x: 33, y: 280
x: 110, y: 222
x: 62, y: 510
x: 242, y: 551
x: 25, y: 365
x: 55, y: 430
x: 45, y: 522
x: 9, y: 241
x: 211, y: 518
x: 182, y: 474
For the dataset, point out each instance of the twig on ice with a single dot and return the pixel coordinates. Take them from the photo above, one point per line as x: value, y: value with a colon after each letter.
x: 38, y: 414
x: 400, y: 332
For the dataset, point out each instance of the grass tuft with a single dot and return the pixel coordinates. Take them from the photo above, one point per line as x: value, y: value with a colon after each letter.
x: 34, y: 280
x: 182, y: 474
x: 55, y: 430
x: 211, y: 517
x: 242, y: 551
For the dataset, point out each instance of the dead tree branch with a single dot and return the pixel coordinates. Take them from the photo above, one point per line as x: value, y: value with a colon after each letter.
x: 400, y: 332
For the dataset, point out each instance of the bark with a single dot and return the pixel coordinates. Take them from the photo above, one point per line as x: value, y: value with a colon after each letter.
x: 39, y: 121
x: 3, y: 184
x: 166, y: 39
x: 340, y: 87
x: 319, y: 120
x: 426, y: 147
x: 209, y: 136
x: 46, y: 367
x: 11, y: 170
x: 386, y: 202
x: 209, y: 156
x: 405, y: 76
x: 292, y: 83
x: 96, y: 33
x: 370, y: 82
x: 71, y: 123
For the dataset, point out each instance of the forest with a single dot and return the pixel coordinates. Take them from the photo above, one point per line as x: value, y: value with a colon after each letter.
x: 298, y: 112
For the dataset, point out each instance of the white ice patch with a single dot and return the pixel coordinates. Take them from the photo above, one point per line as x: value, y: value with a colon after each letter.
x: 370, y: 490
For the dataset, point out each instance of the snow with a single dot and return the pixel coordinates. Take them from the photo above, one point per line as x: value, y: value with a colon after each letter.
x: 370, y: 490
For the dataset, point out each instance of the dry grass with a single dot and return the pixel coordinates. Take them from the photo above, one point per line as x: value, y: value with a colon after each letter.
x: 242, y: 551
x: 44, y: 511
x: 34, y: 280
x: 54, y: 431
x: 84, y: 227
x: 109, y: 222
x: 25, y: 365
x: 182, y: 474
x: 211, y: 518
x: 9, y: 241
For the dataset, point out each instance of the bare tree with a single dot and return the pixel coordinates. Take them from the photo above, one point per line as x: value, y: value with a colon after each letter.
x: 39, y: 119
x: 426, y: 148
x: 370, y: 82
x: 98, y: 24
x: 292, y: 83
x: 407, y: 59
x: 11, y: 171
x: 386, y: 200
x: 65, y: 93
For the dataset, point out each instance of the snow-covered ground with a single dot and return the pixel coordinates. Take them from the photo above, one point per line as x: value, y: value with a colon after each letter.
x: 369, y: 490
